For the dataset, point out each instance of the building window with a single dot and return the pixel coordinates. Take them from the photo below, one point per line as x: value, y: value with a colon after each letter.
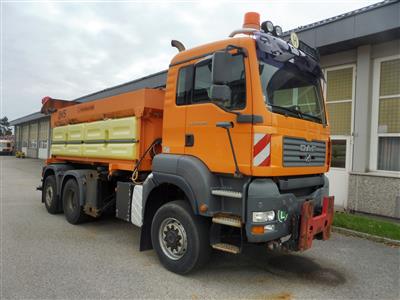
x: 25, y: 135
x: 43, y: 144
x: 338, y: 154
x: 388, y: 153
x: 33, y: 144
x: 339, y: 98
x: 386, y: 128
x: 33, y: 135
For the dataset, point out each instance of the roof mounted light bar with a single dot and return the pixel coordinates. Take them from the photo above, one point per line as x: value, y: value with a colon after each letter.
x: 243, y: 31
x: 251, y: 25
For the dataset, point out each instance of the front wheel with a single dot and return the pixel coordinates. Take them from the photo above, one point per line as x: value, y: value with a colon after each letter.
x: 180, y: 238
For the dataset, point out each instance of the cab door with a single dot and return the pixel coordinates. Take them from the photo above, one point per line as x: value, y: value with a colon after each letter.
x: 203, y: 139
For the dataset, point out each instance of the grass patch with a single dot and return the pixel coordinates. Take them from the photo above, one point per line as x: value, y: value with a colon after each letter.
x: 368, y: 225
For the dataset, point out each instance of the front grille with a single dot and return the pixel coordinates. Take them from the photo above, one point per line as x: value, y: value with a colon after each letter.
x: 298, y: 152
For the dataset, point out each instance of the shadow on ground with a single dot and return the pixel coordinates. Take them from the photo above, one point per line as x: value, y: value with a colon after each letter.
x: 254, y: 258
x: 278, y: 265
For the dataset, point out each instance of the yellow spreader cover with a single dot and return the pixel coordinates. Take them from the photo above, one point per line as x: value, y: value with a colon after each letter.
x: 113, y: 139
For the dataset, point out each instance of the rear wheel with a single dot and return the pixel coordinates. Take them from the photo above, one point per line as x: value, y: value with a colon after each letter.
x: 180, y: 238
x: 73, y: 210
x: 49, y: 195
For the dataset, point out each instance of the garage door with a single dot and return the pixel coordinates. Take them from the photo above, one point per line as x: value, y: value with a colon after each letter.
x: 25, y: 139
x: 43, y: 139
x: 33, y: 139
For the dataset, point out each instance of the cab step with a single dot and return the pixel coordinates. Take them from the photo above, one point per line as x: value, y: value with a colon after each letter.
x: 227, y: 193
x: 226, y: 248
x: 228, y: 220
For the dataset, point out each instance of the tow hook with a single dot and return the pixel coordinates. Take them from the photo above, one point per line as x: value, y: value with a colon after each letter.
x: 274, y: 245
x: 311, y: 225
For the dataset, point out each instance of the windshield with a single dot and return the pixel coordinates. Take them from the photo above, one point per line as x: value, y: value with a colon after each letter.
x: 289, y: 91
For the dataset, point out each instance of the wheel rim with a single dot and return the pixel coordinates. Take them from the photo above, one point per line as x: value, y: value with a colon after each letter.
x: 173, y: 239
x: 71, y: 205
x: 49, y: 195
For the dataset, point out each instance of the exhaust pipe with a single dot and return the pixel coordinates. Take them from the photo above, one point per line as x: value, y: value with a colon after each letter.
x: 178, y: 45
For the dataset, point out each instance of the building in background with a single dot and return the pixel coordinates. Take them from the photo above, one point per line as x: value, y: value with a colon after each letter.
x: 32, y: 135
x: 360, y: 55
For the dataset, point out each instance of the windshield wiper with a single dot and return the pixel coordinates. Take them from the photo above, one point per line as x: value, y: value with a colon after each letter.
x: 303, y: 114
x: 287, y: 109
x: 295, y: 109
x: 296, y: 112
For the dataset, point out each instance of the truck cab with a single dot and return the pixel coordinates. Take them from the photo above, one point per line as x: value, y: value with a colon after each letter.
x: 271, y: 105
x: 251, y: 108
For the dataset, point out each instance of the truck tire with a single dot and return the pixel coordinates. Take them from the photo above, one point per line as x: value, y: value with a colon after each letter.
x: 180, y: 238
x: 73, y: 210
x: 49, y: 195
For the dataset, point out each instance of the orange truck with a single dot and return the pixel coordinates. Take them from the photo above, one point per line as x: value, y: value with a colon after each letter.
x: 232, y: 151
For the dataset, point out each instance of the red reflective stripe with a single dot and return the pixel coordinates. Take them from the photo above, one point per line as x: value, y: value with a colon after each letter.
x: 261, y: 145
x: 266, y: 162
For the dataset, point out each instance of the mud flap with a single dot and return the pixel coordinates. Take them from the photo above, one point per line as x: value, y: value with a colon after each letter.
x: 311, y: 226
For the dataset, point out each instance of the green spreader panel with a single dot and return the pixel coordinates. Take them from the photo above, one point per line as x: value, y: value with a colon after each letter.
x: 113, y: 139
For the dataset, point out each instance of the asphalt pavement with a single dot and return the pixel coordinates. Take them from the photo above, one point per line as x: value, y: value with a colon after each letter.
x: 44, y: 257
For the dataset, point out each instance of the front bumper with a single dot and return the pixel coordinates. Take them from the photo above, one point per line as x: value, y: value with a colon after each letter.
x: 264, y: 195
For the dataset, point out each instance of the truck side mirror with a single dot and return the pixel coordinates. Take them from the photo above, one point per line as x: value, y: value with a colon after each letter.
x: 221, y: 67
x: 220, y: 92
x: 221, y: 75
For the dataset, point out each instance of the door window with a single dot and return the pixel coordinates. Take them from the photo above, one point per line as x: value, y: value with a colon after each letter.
x: 338, y: 154
x: 202, y: 82
x: 184, y: 86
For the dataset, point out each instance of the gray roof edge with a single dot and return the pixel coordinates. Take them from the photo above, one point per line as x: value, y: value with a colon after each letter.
x: 121, y: 85
x: 38, y: 115
x: 341, y: 16
x: 28, y: 118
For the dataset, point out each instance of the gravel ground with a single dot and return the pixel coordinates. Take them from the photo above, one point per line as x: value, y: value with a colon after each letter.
x: 42, y: 256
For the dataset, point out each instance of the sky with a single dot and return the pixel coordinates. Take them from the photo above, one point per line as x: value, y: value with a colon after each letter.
x: 67, y: 49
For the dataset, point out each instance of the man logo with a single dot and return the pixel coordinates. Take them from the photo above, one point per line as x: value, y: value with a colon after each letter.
x: 307, y: 148
x: 308, y: 157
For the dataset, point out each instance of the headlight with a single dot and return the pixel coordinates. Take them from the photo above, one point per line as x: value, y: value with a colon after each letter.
x: 278, y: 30
x: 267, y: 26
x: 263, y: 216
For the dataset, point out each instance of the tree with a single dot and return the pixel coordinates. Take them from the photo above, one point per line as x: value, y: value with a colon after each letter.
x: 5, y: 127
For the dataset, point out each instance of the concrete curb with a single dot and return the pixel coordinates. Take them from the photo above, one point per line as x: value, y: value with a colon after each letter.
x: 371, y: 237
